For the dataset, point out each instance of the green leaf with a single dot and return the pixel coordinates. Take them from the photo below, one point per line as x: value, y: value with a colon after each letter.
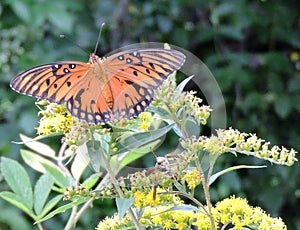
x: 159, y: 110
x: 216, y: 175
x: 35, y: 161
x: 42, y: 190
x: 80, y: 162
x: 91, y: 181
x: 21, y: 9
x: 64, y: 208
x: 43, y: 165
x: 19, y: 220
x: 184, y: 208
x: 136, y: 140
x: 283, y: 105
x: 18, y: 180
x: 181, y: 208
x: 104, y: 141
x: 133, y: 155
x: 59, y: 14
x: 17, y: 201
x: 123, y: 205
x: 57, y: 175
x: 40, y: 137
x: 176, y: 129
x: 231, y: 32
x: 49, y: 206
x: 37, y: 146
x: 95, y: 152
x: 192, y: 128
x: 182, y: 84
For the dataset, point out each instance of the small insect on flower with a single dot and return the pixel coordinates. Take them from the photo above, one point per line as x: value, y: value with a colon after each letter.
x: 162, y: 172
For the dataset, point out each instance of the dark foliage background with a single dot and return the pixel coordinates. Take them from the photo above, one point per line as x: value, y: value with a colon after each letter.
x: 251, y: 47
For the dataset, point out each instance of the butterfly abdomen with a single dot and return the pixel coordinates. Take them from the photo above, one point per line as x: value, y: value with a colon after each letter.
x: 107, y: 95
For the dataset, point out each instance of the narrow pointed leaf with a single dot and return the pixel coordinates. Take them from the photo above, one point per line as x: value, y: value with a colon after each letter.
x: 123, y: 205
x: 35, y: 161
x: 80, y: 163
x: 181, y: 208
x: 95, y: 151
x: 91, y: 181
x: 37, y: 146
x: 134, y: 141
x: 40, y: 137
x: 181, y: 86
x: 133, y: 155
x: 50, y: 205
x: 64, y: 208
x: 216, y: 175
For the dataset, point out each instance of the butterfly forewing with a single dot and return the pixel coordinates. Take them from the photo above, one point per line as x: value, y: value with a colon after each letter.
x: 51, y: 82
x: 99, y: 92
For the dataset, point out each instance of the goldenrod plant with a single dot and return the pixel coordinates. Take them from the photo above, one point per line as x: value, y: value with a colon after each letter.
x: 161, y: 197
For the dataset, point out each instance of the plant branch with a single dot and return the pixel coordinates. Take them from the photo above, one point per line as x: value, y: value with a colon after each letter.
x: 71, y: 222
x: 177, y: 121
x: 205, y: 185
x: 60, y: 159
x: 119, y: 190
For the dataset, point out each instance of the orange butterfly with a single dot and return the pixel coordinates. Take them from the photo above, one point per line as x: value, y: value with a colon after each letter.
x: 101, y: 91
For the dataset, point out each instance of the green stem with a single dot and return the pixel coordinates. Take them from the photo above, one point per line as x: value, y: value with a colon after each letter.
x: 40, y: 226
x: 71, y: 222
x: 205, y: 185
x: 59, y: 159
x: 119, y: 190
x: 177, y: 121
x: 98, y: 187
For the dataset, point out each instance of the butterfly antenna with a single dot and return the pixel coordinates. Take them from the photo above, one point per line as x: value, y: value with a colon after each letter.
x: 153, y: 153
x: 74, y: 43
x: 99, y: 35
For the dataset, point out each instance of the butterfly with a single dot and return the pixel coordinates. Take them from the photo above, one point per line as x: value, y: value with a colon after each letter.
x: 102, y: 90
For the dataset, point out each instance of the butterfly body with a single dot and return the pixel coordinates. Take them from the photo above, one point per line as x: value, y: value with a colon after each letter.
x: 101, y: 91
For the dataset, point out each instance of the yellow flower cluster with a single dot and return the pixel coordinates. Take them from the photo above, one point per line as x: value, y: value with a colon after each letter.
x: 144, y: 120
x: 238, y: 212
x: 233, y: 211
x: 152, y: 217
x: 232, y: 140
x: 55, y: 119
x: 184, y: 102
x: 140, y: 123
x: 192, y: 178
x: 151, y: 198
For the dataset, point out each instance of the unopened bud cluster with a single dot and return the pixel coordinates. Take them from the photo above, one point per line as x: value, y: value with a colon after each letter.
x: 232, y: 140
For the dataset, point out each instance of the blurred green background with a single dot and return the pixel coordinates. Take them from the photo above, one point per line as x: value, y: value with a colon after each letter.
x: 251, y: 47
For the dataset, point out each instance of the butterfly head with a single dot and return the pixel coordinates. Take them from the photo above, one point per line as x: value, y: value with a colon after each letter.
x: 93, y: 58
